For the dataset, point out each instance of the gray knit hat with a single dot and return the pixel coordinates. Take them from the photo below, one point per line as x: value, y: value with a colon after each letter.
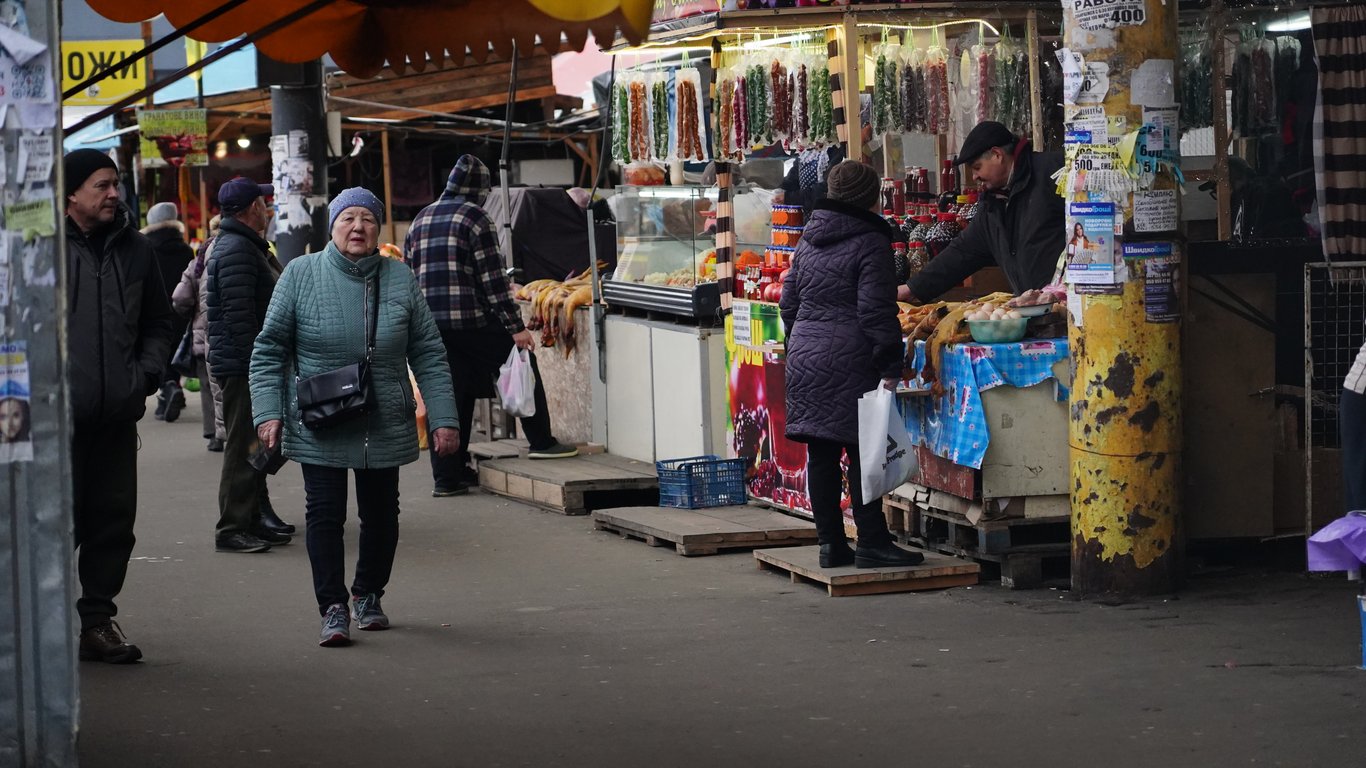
x: 351, y: 198
x: 853, y: 183
x: 161, y: 213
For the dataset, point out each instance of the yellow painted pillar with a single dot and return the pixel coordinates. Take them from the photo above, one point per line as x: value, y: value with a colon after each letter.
x: 1125, y: 409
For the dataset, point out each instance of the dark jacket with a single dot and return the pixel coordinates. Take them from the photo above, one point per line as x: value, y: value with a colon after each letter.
x: 237, y: 294
x: 839, y: 309
x: 172, y: 252
x: 1022, y: 231
x: 121, y: 326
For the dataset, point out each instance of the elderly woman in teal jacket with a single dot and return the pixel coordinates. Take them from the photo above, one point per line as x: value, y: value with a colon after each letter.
x: 317, y: 323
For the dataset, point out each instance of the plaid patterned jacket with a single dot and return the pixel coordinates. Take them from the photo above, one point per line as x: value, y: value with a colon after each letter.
x: 452, y: 247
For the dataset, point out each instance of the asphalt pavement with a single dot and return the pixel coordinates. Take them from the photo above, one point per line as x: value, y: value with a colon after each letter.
x: 525, y: 638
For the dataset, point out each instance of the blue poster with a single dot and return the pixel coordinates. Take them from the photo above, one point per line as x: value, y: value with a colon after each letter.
x: 1091, y: 253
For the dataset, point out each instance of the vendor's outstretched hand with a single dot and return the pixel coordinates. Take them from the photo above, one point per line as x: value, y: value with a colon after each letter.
x: 903, y: 293
x: 445, y: 441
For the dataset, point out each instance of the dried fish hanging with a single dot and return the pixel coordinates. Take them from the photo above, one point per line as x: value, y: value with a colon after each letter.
x: 690, y: 137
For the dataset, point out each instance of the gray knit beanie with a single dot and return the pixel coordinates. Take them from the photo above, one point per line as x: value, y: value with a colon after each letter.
x: 351, y: 198
x: 161, y: 213
x: 853, y: 183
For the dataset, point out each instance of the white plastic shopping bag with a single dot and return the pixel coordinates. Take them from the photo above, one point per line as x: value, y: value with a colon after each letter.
x: 886, y: 456
x: 517, y: 384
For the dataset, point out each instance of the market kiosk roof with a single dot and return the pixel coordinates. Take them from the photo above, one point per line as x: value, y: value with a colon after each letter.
x: 362, y: 36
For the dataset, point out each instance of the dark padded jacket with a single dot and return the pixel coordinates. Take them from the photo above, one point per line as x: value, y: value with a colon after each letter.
x: 1022, y: 232
x: 839, y: 309
x: 237, y: 294
x: 172, y: 252
x: 120, y: 328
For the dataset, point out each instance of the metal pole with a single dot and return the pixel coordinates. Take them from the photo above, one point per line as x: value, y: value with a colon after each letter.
x: 298, y: 154
x: 504, y: 165
x: 1125, y: 431
x: 39, y: 694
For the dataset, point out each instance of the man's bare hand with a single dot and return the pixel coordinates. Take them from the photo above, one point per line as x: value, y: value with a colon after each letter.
x: 523, y: 339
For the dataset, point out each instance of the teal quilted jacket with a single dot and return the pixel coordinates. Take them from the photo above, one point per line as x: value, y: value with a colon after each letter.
x: 316, y: 323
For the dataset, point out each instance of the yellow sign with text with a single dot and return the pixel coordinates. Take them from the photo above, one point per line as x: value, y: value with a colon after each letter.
x: 82, y: 59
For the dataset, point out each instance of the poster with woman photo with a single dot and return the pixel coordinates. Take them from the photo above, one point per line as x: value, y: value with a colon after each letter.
x: 1091, y: 252
x: 16, y: 441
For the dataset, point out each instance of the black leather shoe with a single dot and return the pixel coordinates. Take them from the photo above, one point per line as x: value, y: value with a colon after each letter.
x: 272, y: 521
x: 836, y: 555
x: 270, y: 535
x: 240, y: 541
x: 886, y: 556
x: 105, y: 642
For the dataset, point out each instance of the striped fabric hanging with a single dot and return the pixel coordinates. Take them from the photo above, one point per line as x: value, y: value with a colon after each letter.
x: 1340, y: 129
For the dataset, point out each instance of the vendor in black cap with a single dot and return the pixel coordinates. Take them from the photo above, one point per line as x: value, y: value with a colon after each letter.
x: 1019, y: 225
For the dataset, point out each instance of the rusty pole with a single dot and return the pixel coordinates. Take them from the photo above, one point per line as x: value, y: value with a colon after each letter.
x: 1125, y: 409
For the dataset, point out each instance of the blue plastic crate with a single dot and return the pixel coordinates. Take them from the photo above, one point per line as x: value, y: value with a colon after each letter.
x: 701, y: 481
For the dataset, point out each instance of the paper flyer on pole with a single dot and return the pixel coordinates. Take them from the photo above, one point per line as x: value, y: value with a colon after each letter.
x: 1091, y: 255
x: 16, y: 419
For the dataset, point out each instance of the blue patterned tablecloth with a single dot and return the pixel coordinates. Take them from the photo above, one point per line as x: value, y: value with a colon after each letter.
x: 953, y: 425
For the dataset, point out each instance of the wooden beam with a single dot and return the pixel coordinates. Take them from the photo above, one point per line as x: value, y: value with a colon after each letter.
x: 388, y: 187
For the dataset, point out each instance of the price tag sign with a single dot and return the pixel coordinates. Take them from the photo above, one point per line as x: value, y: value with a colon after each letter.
x: 740, y: 325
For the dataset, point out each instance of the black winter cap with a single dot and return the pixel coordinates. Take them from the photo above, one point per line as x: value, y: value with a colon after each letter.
x: 81, y: 164
x: 986, y: 135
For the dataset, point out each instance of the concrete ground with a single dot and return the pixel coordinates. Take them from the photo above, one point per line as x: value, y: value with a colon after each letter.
x: 523, y: 638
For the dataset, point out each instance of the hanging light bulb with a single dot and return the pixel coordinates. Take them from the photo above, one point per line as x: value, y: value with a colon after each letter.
x: 243, y: 141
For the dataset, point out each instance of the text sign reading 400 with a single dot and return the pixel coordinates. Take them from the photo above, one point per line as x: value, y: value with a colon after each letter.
x: 1107, y: 14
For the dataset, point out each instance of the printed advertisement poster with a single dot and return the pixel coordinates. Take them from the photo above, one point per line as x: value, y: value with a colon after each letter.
x: 1091, y: 254
x: 16, y: 420
x: 173, y: 137
x: 1108, y: 14
x: 1161, y: 280
x: 83, y: 59
x: 775, y: 466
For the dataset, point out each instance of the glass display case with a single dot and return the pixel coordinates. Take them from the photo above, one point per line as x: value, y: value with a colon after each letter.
x: 666, y: 255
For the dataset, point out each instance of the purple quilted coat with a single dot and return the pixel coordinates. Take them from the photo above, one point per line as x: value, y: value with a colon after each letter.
x: 839, y: 309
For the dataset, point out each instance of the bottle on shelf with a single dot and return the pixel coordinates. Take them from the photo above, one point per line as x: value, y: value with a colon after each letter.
x: 948, y: 178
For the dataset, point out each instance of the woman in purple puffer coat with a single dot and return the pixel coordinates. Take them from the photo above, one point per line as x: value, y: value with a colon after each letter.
x: 839, y: 310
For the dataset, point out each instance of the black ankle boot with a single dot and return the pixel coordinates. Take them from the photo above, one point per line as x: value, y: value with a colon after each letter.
x: 836, y: 555
x: 886, y: 555
x: 273, y: 522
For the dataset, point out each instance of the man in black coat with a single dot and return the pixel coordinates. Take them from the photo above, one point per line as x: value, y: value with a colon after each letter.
x: 120, y: 332
x: 173, y: 254
x: 241, y: 280
x: 1020, y: 225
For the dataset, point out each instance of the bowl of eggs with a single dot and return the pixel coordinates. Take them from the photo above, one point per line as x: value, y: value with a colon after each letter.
x: 996, y: 325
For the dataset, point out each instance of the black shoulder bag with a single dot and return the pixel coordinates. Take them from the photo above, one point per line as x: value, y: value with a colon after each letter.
x: 340, y: 395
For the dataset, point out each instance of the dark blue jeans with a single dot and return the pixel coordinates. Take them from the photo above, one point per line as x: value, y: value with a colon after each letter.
x: 377, y: 507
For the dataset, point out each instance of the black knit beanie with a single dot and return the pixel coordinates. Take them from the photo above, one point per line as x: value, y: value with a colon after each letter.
x: 81, y: 165
x: 853, y: 183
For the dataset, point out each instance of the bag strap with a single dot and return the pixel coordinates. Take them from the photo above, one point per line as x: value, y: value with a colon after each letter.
x: 373, y: 327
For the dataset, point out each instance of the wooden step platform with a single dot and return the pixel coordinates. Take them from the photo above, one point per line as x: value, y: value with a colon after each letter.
x: 498, y: 449
x: 706, y: 531
x: 573, y: 486
x: 803, y: 564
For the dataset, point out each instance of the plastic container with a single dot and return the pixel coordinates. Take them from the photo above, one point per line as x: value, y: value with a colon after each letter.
x: 948, y: 178
x: 786, y: 237
x: 701, y: 481
x: 787, y: 216
x: 921, y: 229
x: 917, y: 256
x: 997, y: 331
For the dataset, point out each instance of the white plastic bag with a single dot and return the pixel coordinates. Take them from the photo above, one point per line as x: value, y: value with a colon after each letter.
x: 517, y: 384
x: 886, y: 456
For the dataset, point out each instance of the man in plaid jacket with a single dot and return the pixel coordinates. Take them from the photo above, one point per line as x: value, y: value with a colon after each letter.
x: 452, y: 247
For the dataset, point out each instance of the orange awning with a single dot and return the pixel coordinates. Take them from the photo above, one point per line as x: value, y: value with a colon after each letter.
x: 363, y: 35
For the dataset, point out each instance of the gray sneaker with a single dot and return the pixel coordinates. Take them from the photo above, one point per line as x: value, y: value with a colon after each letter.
x: 367, y: 613
x: 554, y: 451
x: 336, y: 627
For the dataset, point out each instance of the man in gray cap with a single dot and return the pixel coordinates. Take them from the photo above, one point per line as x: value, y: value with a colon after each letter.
x: 1019, y: 225
x: 242, y: 277
x: 120, y: 330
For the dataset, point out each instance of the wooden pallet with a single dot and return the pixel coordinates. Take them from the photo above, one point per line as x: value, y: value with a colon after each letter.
x: 1021, y: 548
x: 573, y: 486
x: 706, y: 531
x: 803, y: 564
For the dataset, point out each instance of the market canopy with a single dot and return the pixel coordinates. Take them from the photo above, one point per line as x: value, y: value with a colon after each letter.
x: 363, y: 36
